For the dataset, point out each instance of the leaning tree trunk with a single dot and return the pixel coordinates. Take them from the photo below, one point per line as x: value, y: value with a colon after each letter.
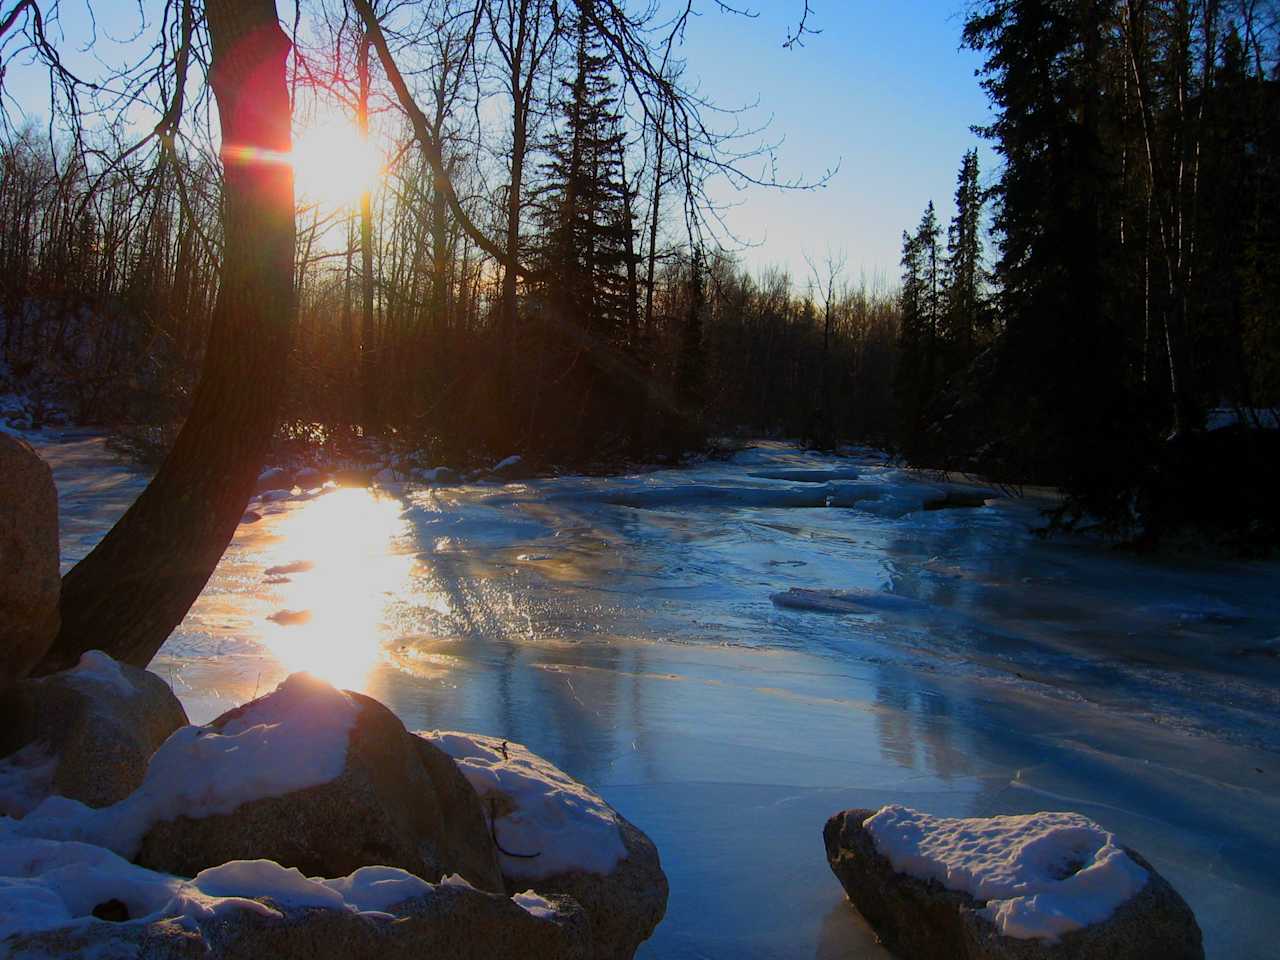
x: 129, y: 593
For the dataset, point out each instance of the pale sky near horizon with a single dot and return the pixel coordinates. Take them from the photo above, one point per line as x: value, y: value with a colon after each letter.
x: 882, y: 90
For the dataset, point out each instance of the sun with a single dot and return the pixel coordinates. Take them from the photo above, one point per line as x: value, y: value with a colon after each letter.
x: 332, y: 164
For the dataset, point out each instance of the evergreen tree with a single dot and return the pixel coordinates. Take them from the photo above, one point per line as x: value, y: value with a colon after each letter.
x: 963, y: 307
x: 588, y: 252
x: 1061, y: 402
x: 916, y: 377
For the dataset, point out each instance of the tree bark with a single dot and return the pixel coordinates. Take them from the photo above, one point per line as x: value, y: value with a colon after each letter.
x: 127, y: 595
x: 368, y: 334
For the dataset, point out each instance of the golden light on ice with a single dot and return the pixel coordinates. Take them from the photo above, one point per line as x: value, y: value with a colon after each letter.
x: 334, y: 572
x: 332, y: 164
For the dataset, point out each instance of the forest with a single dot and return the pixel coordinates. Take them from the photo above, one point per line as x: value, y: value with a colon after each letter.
x: 1130, y: 297
x: 634, y: 333
x: 555, y: 280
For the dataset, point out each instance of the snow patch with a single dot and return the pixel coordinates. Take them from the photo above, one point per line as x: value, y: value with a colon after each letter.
x: 98, y: 667
x: 377, y: 889
x: 553, y: 822
x: 47, y: 884
x: 291, y: 739
x: 1042, y: 875
x: 535, y: 904
x: 26, y: 778
x: 266, y: 878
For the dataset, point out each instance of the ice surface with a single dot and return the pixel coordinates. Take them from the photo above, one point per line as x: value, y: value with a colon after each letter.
x: 547, y: 823
x: 843, y: 601
x: 1041, y: 874
x: 643, y: 655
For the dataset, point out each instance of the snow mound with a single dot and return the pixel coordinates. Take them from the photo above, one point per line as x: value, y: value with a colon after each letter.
x: 51, y: 884
x: 26, y: 778
x: 1042, y: 875
x: 98, y: 667
x: 546, y: 822
x: 47, y: 884
x: 843, y: 601
x: 291, y: 739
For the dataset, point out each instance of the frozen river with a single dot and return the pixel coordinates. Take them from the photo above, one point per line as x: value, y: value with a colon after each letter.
x: 732, y: 652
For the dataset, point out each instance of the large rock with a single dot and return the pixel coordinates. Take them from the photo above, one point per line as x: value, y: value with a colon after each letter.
x: 29, y: 580
x: 923, y: 920
x: 450, y: 921
x: 625, y: 906
x: 86, y: 733
x: 383, y: 808
x: 557, y: 837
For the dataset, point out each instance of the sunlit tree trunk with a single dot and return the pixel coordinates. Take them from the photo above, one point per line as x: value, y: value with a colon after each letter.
x: 127, y: 595
x: 367, y: 332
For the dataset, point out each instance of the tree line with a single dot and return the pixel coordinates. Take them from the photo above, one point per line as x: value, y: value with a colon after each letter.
x: 1131, y: 299
x: 560, y: 295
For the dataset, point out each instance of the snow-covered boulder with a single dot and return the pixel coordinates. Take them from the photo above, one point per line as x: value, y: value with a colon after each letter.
x: 29, y: 579
x: 86, y: 733
x: 510, y: 469
x: 311, y: 777
x: 557, y: 837
x: 1046, y: 885
x: 75, y: 900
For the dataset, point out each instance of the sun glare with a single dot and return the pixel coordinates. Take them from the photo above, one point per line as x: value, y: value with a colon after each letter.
x: 337, y: 567
x: 333, y: 165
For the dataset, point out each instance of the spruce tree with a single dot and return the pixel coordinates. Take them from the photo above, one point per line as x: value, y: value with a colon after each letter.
x: 589, y: 242
x: 1061, y: 407
x: 964, y: 274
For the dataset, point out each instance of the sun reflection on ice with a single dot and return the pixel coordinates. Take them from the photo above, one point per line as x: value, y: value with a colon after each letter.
x: 338, y: 564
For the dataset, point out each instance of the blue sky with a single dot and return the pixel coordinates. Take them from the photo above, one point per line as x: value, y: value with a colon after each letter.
x: 883, y: 90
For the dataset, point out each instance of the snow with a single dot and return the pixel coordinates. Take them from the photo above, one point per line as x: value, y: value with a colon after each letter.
x: 1042, y: 875
x: 97, y: 667
x: 26, y: 778
x: 47, y: 884
x: 553, y: 823
x: 266, y: 878
x: 377, y: 889
x: 288, y: 740
x: 535, y: 904
x: 63, y: 858
x: 50, y: 884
